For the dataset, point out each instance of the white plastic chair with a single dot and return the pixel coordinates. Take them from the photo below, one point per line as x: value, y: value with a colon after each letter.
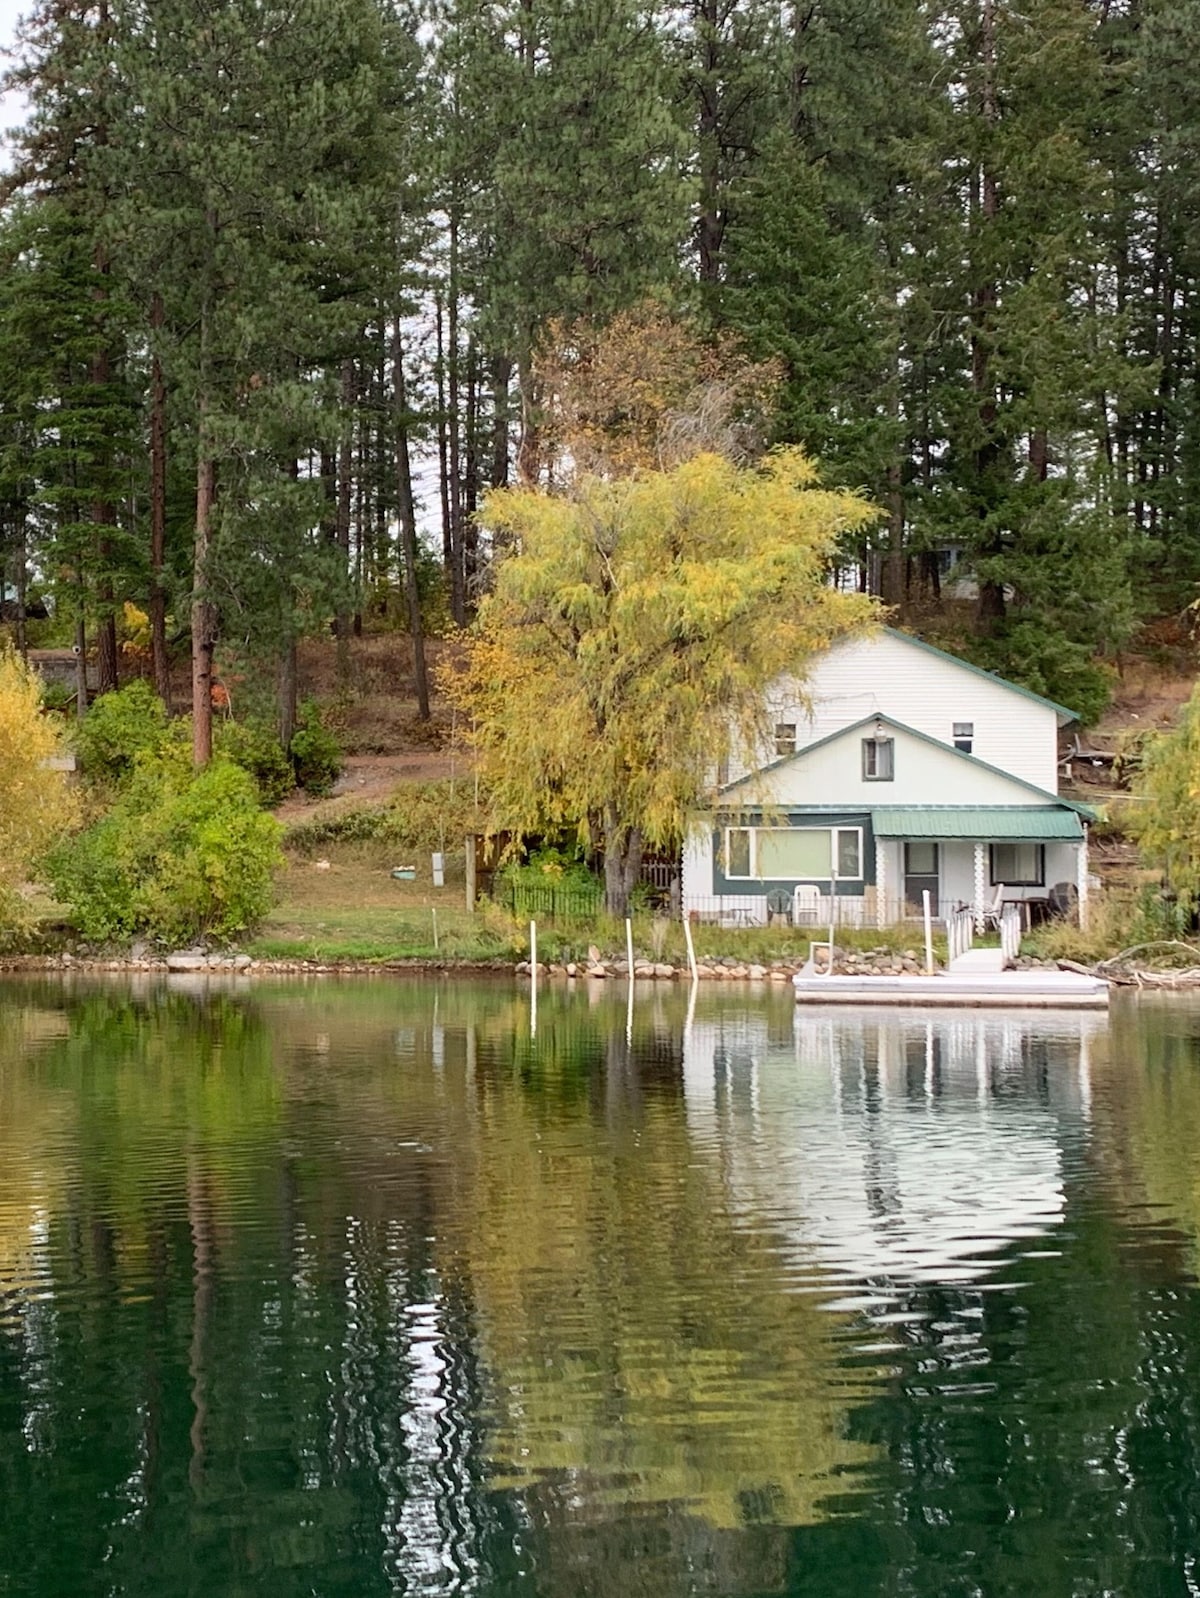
x: 992, y: 912
x: 806, y: 905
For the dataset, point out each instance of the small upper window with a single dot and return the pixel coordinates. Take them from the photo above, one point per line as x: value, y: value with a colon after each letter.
x: 879, y: 764
x: 785, y: 738
x: 964, y: 736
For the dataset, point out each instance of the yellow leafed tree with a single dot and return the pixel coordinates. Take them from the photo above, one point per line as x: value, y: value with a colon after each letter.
x: 35, y: 803
x: 629, y: 636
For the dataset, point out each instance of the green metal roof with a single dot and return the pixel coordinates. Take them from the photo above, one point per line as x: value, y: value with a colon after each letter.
x: 981, y: 822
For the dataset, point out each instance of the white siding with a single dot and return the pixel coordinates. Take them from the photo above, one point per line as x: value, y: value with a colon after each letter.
x: 697, y: 881
x: 885, y: 674
x: 925, y: 774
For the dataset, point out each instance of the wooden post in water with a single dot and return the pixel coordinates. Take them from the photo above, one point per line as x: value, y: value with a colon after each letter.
x: 470, y: 851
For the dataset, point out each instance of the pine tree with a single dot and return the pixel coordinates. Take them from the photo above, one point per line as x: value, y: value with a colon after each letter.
x: 247, y: 193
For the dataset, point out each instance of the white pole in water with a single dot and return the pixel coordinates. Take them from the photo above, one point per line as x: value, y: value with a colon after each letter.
x: 629, y: 1006
x: 691, y: 948
x: 435, y: 936
x: 533, y: 979
x: 928, y: 912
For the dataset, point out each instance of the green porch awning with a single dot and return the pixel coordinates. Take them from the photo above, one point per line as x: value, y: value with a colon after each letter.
x: 985, y: 823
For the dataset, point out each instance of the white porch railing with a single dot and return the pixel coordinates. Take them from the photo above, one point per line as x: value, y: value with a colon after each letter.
x: 1010, y: 932
x: 960, y: 932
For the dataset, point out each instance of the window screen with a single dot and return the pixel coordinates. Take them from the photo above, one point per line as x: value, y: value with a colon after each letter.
x: 1019, y: 865
x: 849, y: 852
x: 785, y: 738
x: 793, y: 852
x: 737, y: 852
x: 879, y: 763
x: 921, y: 859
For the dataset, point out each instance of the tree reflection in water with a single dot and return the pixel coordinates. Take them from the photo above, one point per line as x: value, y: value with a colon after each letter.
x: 360, y: 1288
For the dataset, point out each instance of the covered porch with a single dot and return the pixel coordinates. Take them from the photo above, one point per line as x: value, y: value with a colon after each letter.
x: 981, y: 858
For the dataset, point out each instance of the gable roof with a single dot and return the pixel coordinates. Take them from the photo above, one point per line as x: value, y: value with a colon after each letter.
x: 1061, y: 711
x: 1041, y: 796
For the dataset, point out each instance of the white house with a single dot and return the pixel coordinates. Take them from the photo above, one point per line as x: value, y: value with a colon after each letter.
x: 895, y: 768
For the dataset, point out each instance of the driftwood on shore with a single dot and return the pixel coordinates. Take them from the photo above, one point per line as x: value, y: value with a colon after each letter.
x: 1127, y: 971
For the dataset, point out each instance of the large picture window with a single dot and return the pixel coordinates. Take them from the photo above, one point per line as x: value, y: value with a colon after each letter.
x: 1018, y: 865
x: 793, y: 854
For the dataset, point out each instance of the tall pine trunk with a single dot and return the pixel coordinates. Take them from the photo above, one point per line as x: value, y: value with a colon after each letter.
x: 406, y: 510
x: 710, y: 227
x: 992, y: 606
x: 203, y: 616
x: 345, y: 461
x: 22, y: 583
x: 158, y: 514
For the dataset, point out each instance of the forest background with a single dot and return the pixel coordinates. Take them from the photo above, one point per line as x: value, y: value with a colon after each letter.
x: 282, y: 283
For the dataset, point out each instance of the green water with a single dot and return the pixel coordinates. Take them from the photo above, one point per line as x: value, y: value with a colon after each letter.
x: 359, y: 1289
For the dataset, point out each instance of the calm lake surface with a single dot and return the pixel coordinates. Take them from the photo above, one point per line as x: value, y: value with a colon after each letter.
x: 357, y: 1288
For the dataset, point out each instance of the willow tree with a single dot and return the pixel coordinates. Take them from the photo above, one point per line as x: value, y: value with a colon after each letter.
x: 1168, y: 819
x: 630, y: 634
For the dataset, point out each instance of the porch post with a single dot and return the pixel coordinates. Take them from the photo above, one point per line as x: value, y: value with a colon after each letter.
x: 1081, y: 878
x: 881, y: 883
x: 980, y: 886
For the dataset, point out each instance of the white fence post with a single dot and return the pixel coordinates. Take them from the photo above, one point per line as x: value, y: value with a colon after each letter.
x: 960, y: 930
x: 1010, y: 933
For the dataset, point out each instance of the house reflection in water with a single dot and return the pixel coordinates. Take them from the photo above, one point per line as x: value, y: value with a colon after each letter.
x: 889, y: 1152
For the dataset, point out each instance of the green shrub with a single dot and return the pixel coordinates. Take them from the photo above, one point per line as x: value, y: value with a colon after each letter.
x: 56, y: 696
x: 181, y: 855
x: 316, y: 753
x: 420, y: 816
x: 259, y: 752
x: 118, y: 728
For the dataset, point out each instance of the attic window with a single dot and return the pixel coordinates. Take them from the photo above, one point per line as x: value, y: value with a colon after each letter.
x: 964, y: 736
x: 879, y: 762
x: 785, y: 738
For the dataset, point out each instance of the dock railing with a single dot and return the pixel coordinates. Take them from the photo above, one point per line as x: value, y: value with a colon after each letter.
x: 960, y: 932
x: 1010, y: 932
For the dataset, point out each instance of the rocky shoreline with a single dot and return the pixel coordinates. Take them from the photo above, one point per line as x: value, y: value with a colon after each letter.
x: 597, y: 967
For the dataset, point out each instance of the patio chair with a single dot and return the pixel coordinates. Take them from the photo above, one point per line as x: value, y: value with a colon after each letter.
x: 991, y: 912
x: 806, y: 905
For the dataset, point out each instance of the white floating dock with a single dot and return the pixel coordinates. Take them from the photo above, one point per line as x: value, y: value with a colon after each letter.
x: 1062, y: 990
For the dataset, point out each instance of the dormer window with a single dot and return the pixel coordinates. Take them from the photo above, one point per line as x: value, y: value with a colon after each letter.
x: 785, y: 739
x: 879, y: 759
x: 964, y: 736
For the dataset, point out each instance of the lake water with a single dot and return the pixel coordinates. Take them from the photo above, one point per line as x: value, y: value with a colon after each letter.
x: 358, y: 1288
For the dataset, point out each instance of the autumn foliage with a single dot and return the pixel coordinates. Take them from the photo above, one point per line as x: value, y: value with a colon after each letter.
x: 35, y: 803
x: 630, y: 634
x: 646, y: 391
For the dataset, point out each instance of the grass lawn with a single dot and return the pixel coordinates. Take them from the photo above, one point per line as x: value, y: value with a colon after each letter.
x: 356, y: 910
